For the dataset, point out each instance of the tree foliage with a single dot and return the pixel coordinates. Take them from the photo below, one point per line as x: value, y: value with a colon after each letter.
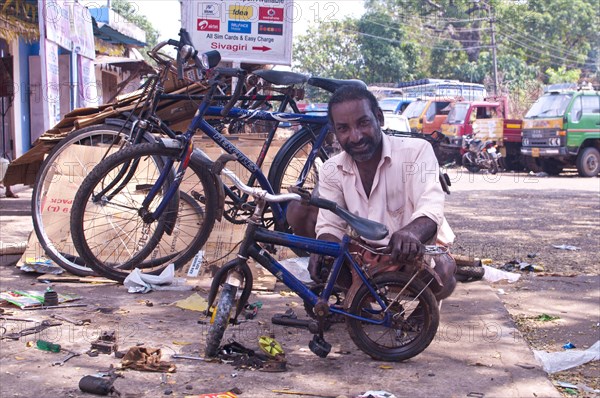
x: 131, y: 12
x: 536, y: 41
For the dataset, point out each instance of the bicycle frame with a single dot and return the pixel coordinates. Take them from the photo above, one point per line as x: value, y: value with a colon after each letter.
x: 257, y: 234
x: 199, y: 122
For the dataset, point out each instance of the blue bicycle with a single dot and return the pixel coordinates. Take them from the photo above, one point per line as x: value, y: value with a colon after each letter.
x: 133, y: 198
x: 391, y: 316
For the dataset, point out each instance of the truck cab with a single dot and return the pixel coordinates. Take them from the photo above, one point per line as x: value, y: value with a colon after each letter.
x: 562, y: 129
x: 426, y: 115
x: 485, y: 120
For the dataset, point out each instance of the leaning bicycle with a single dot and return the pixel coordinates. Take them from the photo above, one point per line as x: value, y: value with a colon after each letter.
x: 119, y: 214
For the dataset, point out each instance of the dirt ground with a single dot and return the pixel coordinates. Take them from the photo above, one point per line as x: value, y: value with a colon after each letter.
x: 500, y: 218
x: 505, y: 225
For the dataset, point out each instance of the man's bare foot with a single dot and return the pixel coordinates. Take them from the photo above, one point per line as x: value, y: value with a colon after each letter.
x: 10, y: 194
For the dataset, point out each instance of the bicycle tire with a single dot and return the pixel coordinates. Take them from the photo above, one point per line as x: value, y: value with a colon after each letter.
x: 219, y: 280
x: 419, y: 326
x: 289, y: 161
x: 115, y: 252
x: 221, y: 320
x: 466, y: 272
x: 49, y: 188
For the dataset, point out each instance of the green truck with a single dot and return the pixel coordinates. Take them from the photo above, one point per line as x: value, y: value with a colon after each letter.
x: 562, y: 129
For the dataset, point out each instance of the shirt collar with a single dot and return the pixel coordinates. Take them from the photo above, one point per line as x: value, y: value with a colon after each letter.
x: 347, y: 163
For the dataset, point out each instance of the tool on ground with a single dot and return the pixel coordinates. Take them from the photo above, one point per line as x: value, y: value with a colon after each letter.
x: 179, y: 356
x: 54, y: 306
x: 74, y: 322
x: 32, y: 330
x: 65, y: 359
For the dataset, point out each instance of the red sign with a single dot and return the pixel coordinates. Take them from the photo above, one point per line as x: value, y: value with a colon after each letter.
x: 208, y: 25
x: 270, y: 14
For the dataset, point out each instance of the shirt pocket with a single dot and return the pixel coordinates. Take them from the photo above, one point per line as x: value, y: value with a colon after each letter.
x: 395, y: 202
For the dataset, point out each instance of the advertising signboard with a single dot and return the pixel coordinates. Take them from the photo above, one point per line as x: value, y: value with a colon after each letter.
x: 250, y: 31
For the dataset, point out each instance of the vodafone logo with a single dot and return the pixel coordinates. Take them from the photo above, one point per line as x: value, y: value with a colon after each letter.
x: 208, y: 25
x: 270, y: 14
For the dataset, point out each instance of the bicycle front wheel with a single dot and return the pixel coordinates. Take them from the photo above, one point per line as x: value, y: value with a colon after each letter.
x: 413, y: 318
x: 220, y: 320
x: 107, y: 221
x: 56, y: 183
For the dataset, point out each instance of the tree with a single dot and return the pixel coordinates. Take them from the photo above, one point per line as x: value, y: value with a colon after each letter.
x: 388, y: 58
x: 329, y: 49
x: 130, y: 12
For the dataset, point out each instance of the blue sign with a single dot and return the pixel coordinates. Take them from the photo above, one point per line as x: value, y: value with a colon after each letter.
x: 239, y: 27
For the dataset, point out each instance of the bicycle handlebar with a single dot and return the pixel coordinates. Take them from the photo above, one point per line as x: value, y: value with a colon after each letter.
x: 259, y: 192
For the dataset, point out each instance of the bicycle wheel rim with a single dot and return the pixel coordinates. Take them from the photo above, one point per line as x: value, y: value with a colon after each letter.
x: 109, y: 232
x: 55, y: 187
x: 417, y: 319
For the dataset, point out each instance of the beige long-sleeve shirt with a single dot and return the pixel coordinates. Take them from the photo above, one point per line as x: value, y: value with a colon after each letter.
x: 406, y: 186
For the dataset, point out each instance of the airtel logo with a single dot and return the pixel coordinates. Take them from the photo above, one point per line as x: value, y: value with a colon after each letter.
x: 208, y: 25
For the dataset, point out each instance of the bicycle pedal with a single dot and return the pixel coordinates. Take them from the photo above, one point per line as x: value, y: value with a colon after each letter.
x: 319, y: 346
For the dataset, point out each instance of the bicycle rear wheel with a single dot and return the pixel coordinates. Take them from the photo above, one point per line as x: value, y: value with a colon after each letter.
x: 290, y: 160
x: 413, y: 322
x: 109, y: 232
x: 56, y: 184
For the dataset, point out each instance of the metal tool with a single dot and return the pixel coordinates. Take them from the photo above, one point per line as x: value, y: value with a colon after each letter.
x: 74, y: 322
x: 65, y: 359
x: 179, y: 356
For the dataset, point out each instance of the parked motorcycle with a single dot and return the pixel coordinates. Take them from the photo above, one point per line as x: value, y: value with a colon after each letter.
x: 480, y: 155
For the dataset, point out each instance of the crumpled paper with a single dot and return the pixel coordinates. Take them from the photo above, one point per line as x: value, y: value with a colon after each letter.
x: 139, y: 282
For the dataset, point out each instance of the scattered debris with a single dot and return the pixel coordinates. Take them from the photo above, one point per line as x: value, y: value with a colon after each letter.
x: 303, y: 393
x: 494, y: 275
x: 525, y: 365
x: 41, y: 266
x: 553, y: 362
x: 33, y: 330
x: 139, y: 282
x: 546, y: 318
x: 581, y: 387
x: 566, y: 247
x: 99, y: 384
x: 377, y: 394
x: 521, y: 266
x: 146, y: 359
x: 251, y: 310
x: 195, y: 302
x: 569, y: 346
x: 106, y: 343
x: 25, y: 299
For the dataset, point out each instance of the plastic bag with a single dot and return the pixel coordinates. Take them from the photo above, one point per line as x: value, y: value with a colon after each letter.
x: 553, y: 362
x: 494, y: 275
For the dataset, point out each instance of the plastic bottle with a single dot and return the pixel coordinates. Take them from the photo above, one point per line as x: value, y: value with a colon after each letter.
x: 47, y: 346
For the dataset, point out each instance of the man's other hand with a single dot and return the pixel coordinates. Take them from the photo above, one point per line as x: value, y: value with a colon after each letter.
x: 405, y: 246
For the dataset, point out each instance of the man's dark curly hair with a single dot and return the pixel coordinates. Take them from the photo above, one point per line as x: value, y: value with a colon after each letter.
x: 352, y: 93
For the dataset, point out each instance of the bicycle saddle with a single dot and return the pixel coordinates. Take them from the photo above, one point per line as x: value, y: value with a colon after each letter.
x: 281, y: 77
x: 370, y: 230
x: 333, y: 84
